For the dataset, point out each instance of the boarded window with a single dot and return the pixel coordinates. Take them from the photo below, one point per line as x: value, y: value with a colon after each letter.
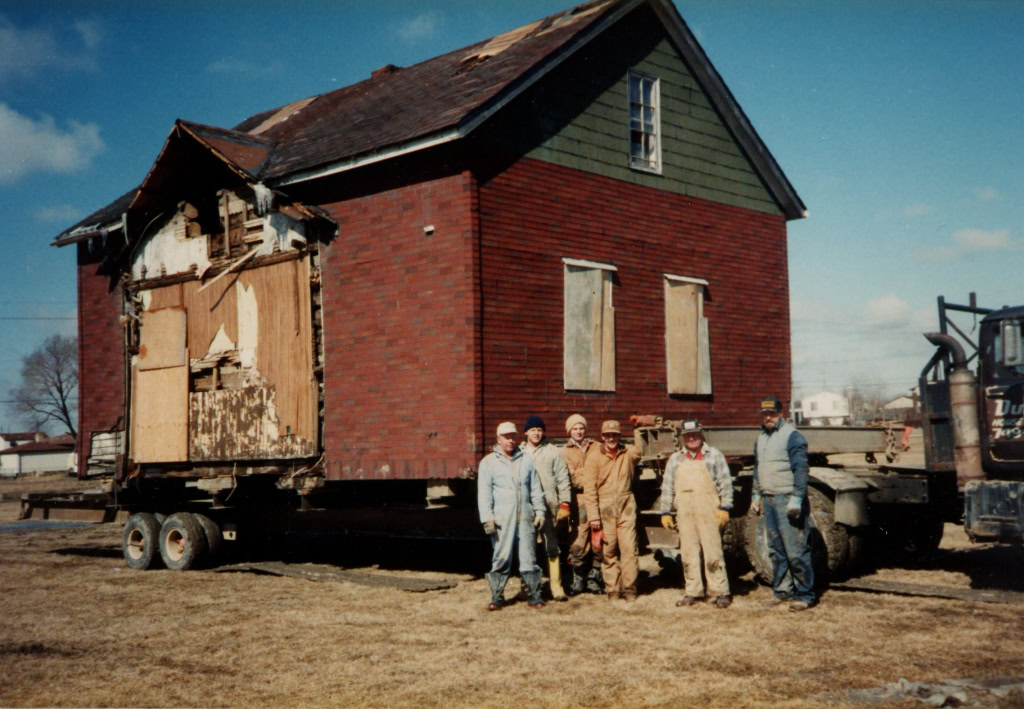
x: 589, y: 326
x: 687, y: 350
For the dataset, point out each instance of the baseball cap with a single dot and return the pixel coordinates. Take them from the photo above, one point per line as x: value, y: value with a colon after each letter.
x: 771, y: 403
x: 506, y: 428
x: 611, y: 426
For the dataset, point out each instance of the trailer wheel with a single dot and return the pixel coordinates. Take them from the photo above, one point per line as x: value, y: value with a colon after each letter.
x: 214, y: 537
x: 139, y: 543
x: 182, y: 541
x: 830, y: 542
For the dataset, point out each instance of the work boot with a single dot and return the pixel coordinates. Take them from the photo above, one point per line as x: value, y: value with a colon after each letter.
x: 497, y: 583
x: 579, y: 581
x: 687, y: 601
x: 595, y: 582
x: 723, y: 601
x: 555, y: 579
x: 797, y: 606
x: 775, y: 601
x: 531, y: 579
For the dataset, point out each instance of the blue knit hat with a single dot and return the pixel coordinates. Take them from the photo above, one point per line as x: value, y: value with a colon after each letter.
x: 534, y: 422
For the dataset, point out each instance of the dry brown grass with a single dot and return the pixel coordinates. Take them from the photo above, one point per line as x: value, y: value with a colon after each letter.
x: 77, y: 628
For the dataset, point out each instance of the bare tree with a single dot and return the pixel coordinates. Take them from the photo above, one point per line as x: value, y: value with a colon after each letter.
x: 49, y: 383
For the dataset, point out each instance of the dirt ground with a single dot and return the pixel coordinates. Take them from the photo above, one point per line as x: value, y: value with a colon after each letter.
x: 78, y: 628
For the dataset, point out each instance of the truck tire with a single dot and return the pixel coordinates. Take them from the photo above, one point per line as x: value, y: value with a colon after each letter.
x: 830, y: 543
x: 140, y: 541
x: 214, y: 538
x: 182, y: 541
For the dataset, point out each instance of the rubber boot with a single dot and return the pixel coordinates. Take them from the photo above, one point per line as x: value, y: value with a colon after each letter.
x: 595, y: 582
x: 555, y: 575
x: 532, y: 581
x: 579, y: 581
x: 497, y: 583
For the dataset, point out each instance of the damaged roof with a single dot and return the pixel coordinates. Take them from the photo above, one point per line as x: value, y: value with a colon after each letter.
x: 403, y: 109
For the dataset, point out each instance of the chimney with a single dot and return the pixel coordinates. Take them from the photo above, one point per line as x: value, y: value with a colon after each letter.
x: 385, y: 71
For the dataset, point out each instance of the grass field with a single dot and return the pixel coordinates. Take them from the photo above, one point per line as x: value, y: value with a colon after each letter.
x: 78, y: 628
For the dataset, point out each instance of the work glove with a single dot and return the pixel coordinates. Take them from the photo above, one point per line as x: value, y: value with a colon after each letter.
x: 597, y: 538
x: 794, y: 507
x: 490, y: 527
x: 538, y: 520
x: 755, y: 505
x: 563, y: 513
x: 667, y: 522
x: 723, y: 518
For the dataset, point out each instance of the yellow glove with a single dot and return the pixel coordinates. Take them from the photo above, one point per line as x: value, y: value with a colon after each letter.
x: 563, y: 513
x: 667, y: 522
x: 723, y: 518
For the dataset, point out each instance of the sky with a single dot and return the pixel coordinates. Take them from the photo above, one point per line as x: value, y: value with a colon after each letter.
x: 898, y: 123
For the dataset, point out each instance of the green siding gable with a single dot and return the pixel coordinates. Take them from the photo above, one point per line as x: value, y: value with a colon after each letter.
x: 577, y: 117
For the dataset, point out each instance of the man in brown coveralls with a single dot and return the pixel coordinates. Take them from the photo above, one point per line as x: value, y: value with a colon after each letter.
x: 585, y: 563
x: 611, y: 508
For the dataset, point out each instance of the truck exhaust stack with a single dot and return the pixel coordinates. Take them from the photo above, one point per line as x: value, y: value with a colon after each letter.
x: 963, y: 402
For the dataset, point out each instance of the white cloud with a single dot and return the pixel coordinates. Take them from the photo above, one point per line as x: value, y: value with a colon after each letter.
x: 90, y: 31
x: 28, y: 145
x: 987, y: 194
x: 25, y: 52
x: 422, y: 26
x: 978, y: 240
x: 230, y: 65
x: 918, y: 210
x: 57, y: 213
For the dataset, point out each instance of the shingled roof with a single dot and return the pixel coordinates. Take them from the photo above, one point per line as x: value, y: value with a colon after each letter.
x: 403, y: 109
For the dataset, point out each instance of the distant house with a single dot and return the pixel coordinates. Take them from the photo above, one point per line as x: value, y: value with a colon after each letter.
x: 9, y: 440
x: 573, y: 216
x: 824, y: 409
x: 44, y: 455
x: 903, y: 408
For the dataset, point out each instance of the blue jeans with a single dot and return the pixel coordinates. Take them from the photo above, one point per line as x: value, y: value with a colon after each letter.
x: 790, y: 550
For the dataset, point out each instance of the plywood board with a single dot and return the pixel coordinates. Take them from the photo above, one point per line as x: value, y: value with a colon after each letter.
x: 162, y: 339
x: 160, y: 415
x: 681, y: 316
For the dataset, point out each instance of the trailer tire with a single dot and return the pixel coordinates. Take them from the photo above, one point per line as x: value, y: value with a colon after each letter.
x: 830, y: 542
x: 182, y: 541
x: 140, y: 542
x: 214, y: 538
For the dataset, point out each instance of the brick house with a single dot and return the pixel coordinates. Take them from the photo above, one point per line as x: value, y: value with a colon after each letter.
x: 574, y: 216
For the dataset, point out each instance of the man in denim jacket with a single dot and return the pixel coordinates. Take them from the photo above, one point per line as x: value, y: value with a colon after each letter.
x: 780, y: 490
x: 511, y: 505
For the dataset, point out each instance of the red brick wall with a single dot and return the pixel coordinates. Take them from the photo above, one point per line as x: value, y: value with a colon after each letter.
x: 401, y: 313
x: 100, y: 355
x: 534, y: 214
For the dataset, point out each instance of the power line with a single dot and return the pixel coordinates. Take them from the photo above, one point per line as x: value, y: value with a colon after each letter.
x: 37, y: 318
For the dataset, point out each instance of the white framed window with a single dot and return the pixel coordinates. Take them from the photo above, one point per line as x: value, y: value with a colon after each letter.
x: 588, y: 326
x: 644, y: 122
x: 687, y: 346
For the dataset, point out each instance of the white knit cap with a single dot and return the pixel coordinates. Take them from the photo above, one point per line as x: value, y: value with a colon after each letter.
x: 573, y: 420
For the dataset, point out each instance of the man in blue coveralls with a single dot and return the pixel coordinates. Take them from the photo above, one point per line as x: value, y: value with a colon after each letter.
x: 780, y: 490
x: 511, y: 505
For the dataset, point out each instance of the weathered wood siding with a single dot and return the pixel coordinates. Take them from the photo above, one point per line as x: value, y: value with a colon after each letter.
x: 264, y: 405
x: 578, y: 117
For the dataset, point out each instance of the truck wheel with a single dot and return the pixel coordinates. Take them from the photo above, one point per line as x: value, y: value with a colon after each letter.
x: 182, y: 541
x: 830, y: 546
x: 139, y: 542
x: 214, y: 537
x: 736, y: 560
